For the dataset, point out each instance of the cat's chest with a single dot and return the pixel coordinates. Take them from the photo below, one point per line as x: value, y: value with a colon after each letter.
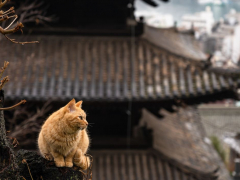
x: 67, y: 144
x: 65, y: 141
x: 71, y: 140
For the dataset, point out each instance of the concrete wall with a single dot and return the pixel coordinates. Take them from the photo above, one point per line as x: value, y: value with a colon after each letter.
x: 219, y: 120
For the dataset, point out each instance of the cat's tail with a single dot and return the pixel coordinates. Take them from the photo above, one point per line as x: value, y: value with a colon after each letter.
x: 81, y: 160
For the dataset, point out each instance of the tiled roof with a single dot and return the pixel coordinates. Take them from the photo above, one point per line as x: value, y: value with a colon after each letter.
x: 180, y: 136
x: 181, y: 44
x: 109, y: 68
x: 138, y: 165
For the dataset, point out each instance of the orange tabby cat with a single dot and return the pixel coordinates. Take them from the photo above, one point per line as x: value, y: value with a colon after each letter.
x: 63, y: 137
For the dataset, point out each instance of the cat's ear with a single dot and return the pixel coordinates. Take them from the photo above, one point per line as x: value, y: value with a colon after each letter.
x: 70, y: 107
x: 79, y: 104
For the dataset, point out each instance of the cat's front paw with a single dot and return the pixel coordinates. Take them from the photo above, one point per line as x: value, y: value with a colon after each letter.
x: 69, y: 164
x: 60, y: 164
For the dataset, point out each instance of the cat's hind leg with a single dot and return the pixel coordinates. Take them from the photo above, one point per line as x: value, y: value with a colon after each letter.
x: 81, y: 160
x: 43, y: 148
x: 48, y: 157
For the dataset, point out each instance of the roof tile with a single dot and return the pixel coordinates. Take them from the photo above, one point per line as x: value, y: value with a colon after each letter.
x: 110, y: 68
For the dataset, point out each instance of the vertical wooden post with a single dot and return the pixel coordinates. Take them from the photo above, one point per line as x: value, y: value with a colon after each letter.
x: 236, y: 173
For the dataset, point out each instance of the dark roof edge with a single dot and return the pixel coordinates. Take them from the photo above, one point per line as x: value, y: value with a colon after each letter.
x: 94, y: 31
x: 178, y: 101
x: 235, y: 73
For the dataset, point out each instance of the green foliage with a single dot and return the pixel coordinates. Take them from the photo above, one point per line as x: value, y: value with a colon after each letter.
x: 218, y: 147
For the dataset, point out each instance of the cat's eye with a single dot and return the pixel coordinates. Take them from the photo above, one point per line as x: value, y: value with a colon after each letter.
x: 81, y: 117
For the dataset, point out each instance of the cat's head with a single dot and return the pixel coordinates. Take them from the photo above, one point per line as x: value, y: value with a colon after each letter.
x: 74, y: 116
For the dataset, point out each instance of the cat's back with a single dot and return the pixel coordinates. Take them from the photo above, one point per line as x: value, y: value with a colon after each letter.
x: 84, y: 140
x: 49, y: 128
x: 52, y: 121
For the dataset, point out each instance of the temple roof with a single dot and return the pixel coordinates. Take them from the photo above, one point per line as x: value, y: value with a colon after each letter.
x: 139, y: 165
x: 180, y: 151
x: 181, y: 138
x: 105, y: 68
x: 180, y: 44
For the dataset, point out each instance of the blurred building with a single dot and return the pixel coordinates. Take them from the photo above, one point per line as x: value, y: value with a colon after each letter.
x: 201, y: 22
x: 224, y: 42
x: 219, y: 39
x: 99, y: 53
x: 215, y: 2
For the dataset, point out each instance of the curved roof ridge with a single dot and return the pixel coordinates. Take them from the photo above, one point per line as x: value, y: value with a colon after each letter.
x: 180, y: 44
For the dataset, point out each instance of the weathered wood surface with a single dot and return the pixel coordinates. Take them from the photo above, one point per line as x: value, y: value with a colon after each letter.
x: 32, y: 166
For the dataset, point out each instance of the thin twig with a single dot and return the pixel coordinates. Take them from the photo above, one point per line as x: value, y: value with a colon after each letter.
x: 3, y: 3
x: 18, y: 27
x: 12, y: 22
x: 8, y: 108
x: 24, y: 161
x: 11, y: 10
x: 5, y: 65
x: 3, y: 82
x: 3, y: 169
x: 23, y: 177
x: 89, y: 170
x: 17, y: 42
x: 27, y: 13
x: 15, y: 141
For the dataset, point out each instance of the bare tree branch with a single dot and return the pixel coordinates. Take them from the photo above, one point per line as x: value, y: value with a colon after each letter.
x: 24, y: 123
x: 3, y: 3
x: 5, y: 65
x: 4, y: 17
x: 8, y: 108
x: 34, y: 11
